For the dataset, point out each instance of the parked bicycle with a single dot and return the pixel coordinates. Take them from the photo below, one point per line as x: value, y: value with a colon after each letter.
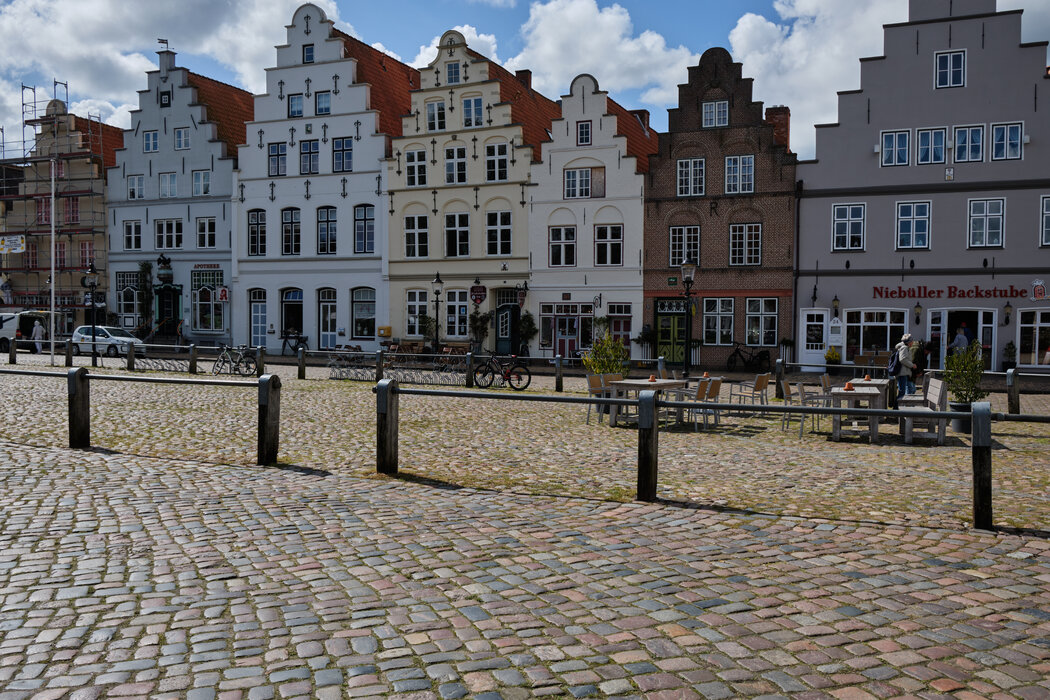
x: 231, y: 360
x: 751, y: 360
x: 510, y: 373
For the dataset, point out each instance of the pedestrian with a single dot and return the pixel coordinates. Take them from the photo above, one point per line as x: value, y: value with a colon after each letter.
x: 960, y: 343
x: 918, y: 358
x: 38, y: 336
x: 903, y: 350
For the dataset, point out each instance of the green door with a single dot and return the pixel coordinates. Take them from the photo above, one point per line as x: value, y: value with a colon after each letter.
x: 670, y: 337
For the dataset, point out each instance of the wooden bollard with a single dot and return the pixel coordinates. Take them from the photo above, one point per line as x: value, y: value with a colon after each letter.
x: 648, y: 445
x: 470, y: 370
x: 12, y: 352
x: 193, y: 358
x: 982, y: 464
x: 302, y: 363
x: 386, y: 426
x: 1013, y: 392
x: 79, y: 409
x: 780, y: 378
x: 559, y: 378
x: 269, y: 418
x: 69, y: 353
x: 131, y: 357
x: 260, y: 361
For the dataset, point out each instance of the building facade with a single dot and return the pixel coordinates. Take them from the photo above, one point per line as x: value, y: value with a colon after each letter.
x: 721, y: 193
x: 586, y: 215
x: 459, y: 189
x: 310, y: 221
x: 927, y: 208
x: 169, y: 209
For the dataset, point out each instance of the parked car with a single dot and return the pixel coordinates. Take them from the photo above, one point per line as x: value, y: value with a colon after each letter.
x: 109, y: 339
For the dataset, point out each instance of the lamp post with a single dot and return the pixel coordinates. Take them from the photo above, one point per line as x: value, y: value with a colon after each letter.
x: 90, y: 281
x: 436, y: 285
x: 688, y: 277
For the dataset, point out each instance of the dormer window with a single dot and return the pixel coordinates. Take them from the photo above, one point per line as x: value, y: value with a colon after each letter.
x: 452, y: 73
x: 715, y: 114
x: 308, y: 53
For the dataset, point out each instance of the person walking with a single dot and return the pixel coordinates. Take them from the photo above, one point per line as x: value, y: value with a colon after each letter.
x: 38, y: 336
x: 904, y: 357
x: 960, y: 343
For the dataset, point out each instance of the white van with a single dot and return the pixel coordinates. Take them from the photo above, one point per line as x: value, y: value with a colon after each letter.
x: 19, y: 326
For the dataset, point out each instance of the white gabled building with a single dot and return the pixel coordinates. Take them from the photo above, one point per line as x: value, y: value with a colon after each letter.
x: 310, y: 231
x: 169, y: 195
x: 586, y: 221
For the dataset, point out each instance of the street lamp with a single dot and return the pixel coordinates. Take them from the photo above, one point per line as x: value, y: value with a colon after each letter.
x: 90, y: 281
x: 688, y: 277
x: 436, y: 285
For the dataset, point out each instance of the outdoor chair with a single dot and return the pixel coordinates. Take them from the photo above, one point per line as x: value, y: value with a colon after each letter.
x: 936, y: 400
x: 595, y: 387
x: 918, y: 399
x: 812, y: 397
x: 697, y: 394
x: 714, y: 389
x: 753, y: 392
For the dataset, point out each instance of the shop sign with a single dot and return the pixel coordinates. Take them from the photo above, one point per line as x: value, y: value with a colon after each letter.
x: 1038, y: 290
x: 206, y: 266
x: 950, y: 292
x: 13, y: 244
x: 672, y: 281
x: 222, y: 294
x: 478, y: 293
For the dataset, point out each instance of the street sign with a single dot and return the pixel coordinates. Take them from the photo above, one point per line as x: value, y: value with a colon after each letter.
x: 478, y: 293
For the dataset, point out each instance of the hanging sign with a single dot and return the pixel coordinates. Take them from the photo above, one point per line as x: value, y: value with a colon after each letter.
x: 13, y: 244
x: 478, y: 293
x: 222, y: 294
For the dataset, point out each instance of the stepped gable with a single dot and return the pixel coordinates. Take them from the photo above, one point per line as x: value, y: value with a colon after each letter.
x: 527, y: 107
x: 228, y: 107
x: 391, y: 82
x: 98, y: 136
x: 642, y: 141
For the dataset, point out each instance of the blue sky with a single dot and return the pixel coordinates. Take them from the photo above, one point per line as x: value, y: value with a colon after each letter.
x: 800, y: 52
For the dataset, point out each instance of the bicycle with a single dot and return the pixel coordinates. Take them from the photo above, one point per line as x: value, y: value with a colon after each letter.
x: 226, y: 363
x: 755, y: 361
x: 511, y: 373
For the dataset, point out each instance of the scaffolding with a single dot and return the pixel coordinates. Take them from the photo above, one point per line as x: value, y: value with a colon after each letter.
x: 53, y: 210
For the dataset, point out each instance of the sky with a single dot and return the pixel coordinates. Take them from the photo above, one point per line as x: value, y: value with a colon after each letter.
x: 799, y: 52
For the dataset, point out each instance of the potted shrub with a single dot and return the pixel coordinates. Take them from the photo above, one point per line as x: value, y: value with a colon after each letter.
x: 479, y: 328
x: 832, y: 359
x: 606, y: 356
x: 1009, y: 356
x: 962, y: 376
x: 527, y: 330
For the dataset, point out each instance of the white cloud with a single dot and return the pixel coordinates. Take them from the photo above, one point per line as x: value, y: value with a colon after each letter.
x: 557, y: 50
x: 378, y: 46
x: 485, y: 44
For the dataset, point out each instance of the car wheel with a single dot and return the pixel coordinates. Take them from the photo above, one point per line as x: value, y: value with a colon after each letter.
x: 111, y: 350
x: 76, y: 349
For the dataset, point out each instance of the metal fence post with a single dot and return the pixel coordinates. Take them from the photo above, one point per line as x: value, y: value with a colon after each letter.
x: 661, y: 366
x: 648, y: 445
x: 260, y: 361
x: 559, y: 378
x: 193, y: 358
x: 131, y: 357
x: 386, y: 426
x: 379, y: 365
x: 12, y: 352
x: 269, y: 418
x: 779, y: 374
x: 79, y: 409
x: 302, y: 363
x: 982, y: 465
x: 1013, y: 391
x: 69, y: 354
x: 470, y: 370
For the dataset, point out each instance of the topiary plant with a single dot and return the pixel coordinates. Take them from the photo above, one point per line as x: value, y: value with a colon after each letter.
x: 606, y: 356
x: 962, y: 374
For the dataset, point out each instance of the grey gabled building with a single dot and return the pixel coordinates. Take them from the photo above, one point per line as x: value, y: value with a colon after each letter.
x: 927, y: 206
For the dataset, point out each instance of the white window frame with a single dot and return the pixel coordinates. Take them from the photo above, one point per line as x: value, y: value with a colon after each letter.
x: 343, y: 154
x: 908, y: 212
x: 436, y: 115
x: 206, y: 237
x: 721, y: 311
x: 950, y: 80
x: 969, y: 129
x: 363, y: 312
x: 849, y: 219
x: 1007, y: 127
x: 136, y: 186
x: 182, y: 138
x: 577, y: 183
x: 931, y: 134
x: 745, y: 244
x: 417, y: 238
x: 759, y: 314
x: 457, y: 235
x: 416, y: 168
x: 456, y: 326
x: 201, y: 183
x: 498, y: 233
x: 740, y: 174
x: 893, y: 153
x: 452, y: 73
x: 715, y: 113
x: 473, y: 108
x: 583, y: 133
x: 608, y: 244
x: 496, y: 162
x: 291, y: 231
x: 309, y: 157
x: 168, y: 185
x: 416, y: 305
x: 133, y: 234
x: 364, y: 229
x: 203, y: 285
x: 561, y: 246
x: 322, y: 103
x: 150, y: 141
x: 277, y: 159
x: 691, y: 177
x: 167, y: 234
x: 327, y: 230
x: 1044, y: 221
x: 455, y: 165
x: 972, y: 217
x: 684, y: 244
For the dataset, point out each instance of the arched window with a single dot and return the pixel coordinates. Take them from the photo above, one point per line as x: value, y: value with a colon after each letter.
x: 257, y: 316
x: 327, y: 318
x: 291, y: 242
x: 326, y: 230
x: 257, y: 232
x: 208, y: 309
x: 363, y: 313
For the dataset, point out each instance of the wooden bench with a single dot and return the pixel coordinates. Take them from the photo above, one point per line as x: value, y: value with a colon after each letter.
x: 935, y: 399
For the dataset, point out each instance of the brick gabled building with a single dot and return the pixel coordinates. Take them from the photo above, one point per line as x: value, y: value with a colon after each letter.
x: 720, y: 191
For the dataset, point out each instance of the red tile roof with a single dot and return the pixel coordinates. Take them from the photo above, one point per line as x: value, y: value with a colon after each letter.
x: 390, y: 81
x: 527, y: 107
x: 100, y: 138
x: 226, y: 106
x: 642, y: 141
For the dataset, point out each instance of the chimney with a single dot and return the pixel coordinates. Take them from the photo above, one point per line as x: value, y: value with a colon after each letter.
x: 643, y: 116
x: 525, y: 77
x: 166, y: 61
x: 780, y: 117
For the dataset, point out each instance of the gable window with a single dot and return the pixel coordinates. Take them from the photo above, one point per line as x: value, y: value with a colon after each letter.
x: 969, y: 144
x: 497, y: 233
x: 745, y: 244
x: 950, y: 69
x: 471, y: 112
x: 278, y: 159
x: 715, y: 114
x: 455, y: 165
x: 1006, y: 141
x: 929, y: 146
x: 761, y: 321
x: 913, y: 225
x: 309, y: 157
x: 1044, y: 219
x: 168, y: 186
x: 452, y: 73
x: 326, y: 230
x: 740, y: 174
x: 342, y: 155
x: 291, y: 244
x: 608, y: 245
x: 895, y: 148
x: 718, y: 321
x: 496, y: 162
x: 685, y: 244
x: 583, y: 133
x: 986, y: 223
x: 168, y: 234
x: 165, y: 98
x: 132, y: 235
x: 150, y: 142
x: 363, y: 313
x: 417, y: 239
x: 364, y: 229
x: 691, y: 177
x: 415, y: 311
x: 435, y: 116
x: 848, y: 226
x: 201, y: 183
x: 457, y: 235
x: 136, y: 187
x: 182, y: 138
x: 416, y: 167
x: 577, y: 183
x: 562, y: 247
x: 308, y: 53
x: 206, y: 232
x: 295, y: 105
x: 322, y: 103
x: 256, y: 232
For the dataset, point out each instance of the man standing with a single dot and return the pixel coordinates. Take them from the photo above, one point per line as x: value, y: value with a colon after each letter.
x: 38, y: 336
x: 903, y: 350
x: 960, y: 343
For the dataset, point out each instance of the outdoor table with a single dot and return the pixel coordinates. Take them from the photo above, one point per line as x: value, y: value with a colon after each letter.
x: 886, y: 386
x: 625, y: 386
x: 872, y: 396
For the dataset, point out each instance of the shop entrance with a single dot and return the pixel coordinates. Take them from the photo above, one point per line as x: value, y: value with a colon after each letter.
x: 977, y: 324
